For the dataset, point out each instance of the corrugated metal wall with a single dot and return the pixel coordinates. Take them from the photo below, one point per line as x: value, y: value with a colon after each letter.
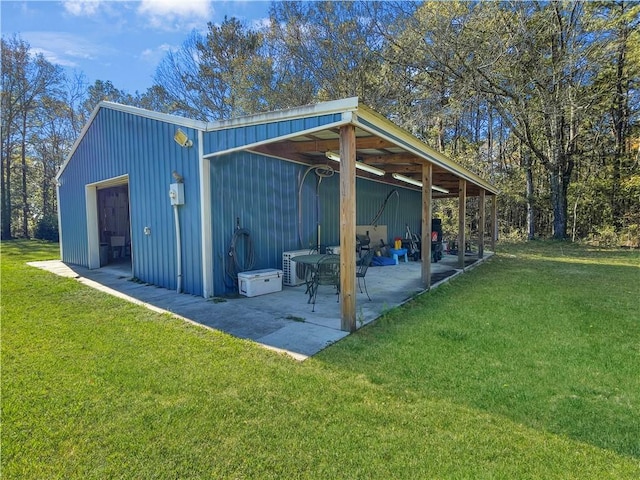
x: 116, y: 144
x: 220, y: 140
x: 262, y: 192
x: 401, y: 209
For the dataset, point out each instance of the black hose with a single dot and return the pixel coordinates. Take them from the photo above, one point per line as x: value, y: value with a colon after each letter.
x: 322, y: 171
x: 384, y: 205
x: 234, y: 264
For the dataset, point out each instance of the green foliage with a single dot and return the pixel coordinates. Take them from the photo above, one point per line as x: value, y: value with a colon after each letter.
x: 631, y: 236
x: 523, y: 368
x: 605, y: 237
x: 504, y: 88
x: 47, y: 228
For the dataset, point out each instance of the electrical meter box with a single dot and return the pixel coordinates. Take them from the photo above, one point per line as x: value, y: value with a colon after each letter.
x: 259, y: 282
x: 176, y: 193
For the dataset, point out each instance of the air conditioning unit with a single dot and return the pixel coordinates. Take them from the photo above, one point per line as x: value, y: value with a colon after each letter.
x: 293, y: 274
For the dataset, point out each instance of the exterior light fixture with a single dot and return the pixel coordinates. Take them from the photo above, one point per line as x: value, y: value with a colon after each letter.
x: 417, y: 183
x: 182, y: 139
x: 362, y: 166
x: 408, y: 180
x: 439, y: 189
x: 332, y: 156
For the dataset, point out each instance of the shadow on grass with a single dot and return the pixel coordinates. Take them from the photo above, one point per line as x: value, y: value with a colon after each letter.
x: 29, y: 250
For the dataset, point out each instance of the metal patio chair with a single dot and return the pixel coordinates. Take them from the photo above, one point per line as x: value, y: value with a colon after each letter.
x: 326, y: 272
x: 363, y: 266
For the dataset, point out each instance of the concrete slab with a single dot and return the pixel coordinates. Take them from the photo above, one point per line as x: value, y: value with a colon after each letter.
x: 282, y: 321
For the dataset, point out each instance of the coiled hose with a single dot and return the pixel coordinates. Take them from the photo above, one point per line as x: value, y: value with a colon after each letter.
x: 321, y: 171
x: 234, y: 264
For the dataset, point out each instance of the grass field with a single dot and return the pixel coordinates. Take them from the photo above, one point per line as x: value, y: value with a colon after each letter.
x: 526, y: 367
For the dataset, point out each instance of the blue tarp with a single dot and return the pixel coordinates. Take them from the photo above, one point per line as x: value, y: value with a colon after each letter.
x: 382, y: 261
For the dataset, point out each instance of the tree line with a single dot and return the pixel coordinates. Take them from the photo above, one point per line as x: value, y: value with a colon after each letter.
x: 541, y: 98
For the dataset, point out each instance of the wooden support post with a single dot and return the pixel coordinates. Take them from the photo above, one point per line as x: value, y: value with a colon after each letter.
x: 427, y: 208
x: 481, y: 222
x: 494, y: 222
x: 462, y: 213
x: 348, y: 227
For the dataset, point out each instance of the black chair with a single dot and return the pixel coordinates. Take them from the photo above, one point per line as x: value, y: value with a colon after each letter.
x: 326, y: 272
x: 362, y: 243
x: 363, y: 266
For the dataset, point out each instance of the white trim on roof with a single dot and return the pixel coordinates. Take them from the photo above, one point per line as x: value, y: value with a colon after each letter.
x: 345, y: 121
x: 323, y: 108
x: 162, y: 117
x: 418, y: 147
x: 317, y: 109
x: 349, y: 107
x: 140, y: 112
x: 78, y: 140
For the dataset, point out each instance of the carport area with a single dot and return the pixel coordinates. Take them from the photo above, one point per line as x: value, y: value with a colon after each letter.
x: 283, y: 320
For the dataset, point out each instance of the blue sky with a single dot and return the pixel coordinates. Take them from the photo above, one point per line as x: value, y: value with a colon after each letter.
x: 121, y: 41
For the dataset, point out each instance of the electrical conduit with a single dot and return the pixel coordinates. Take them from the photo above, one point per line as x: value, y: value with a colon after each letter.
x: 178, y: 248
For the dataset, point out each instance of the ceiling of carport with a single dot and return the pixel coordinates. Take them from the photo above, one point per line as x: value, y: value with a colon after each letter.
x: 310, y: 149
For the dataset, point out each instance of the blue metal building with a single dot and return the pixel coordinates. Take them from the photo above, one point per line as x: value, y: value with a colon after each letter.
x: 268, y: 174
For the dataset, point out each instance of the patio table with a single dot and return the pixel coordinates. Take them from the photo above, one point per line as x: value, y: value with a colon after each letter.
x: 311, y: 262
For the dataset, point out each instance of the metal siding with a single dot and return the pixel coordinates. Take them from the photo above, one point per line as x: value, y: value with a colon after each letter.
x: 119, y: 143
x: 263, y: 193
x: 329, y: 209
x: 406, y: 208
x: 219, y: 140
x: 370, y: 195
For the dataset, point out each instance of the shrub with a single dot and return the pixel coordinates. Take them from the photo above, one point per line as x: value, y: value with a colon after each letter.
x: 47, y: 228
x: 630, y: 237
x: 604, y: 237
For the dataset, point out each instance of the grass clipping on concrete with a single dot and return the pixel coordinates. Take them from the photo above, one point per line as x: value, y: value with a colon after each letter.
x: 525, y: 367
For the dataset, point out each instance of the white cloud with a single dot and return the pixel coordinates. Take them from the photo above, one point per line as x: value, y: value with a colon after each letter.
x: 260, y: 23
x: 175, y: 14
x: 82, y: 8
x: 63, y: 48
x: 154, y: 55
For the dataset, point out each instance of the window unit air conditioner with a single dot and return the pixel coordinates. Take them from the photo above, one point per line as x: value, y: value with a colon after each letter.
x: 293, y: 274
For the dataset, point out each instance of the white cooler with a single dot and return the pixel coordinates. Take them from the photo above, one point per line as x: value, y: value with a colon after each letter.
x: 259, y: 282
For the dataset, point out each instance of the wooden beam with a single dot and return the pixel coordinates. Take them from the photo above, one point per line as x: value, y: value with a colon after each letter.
x: 462, y: 213
x: 394, y: 159
x: 348, y: 228
x: 427, y: 207
x: 324, y: 145
x: 276, y: 151
x: 481, y: 222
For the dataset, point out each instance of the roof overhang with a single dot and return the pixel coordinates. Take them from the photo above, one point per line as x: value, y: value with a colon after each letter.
x: 379, y: 143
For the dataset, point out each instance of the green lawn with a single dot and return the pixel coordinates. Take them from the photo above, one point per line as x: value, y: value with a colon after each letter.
x: 526, y: 367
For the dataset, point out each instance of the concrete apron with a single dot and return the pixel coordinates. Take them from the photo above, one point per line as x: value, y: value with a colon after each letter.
x: 281, y: 321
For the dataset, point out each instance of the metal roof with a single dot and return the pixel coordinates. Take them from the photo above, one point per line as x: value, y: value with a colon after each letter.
x: 379, y: 143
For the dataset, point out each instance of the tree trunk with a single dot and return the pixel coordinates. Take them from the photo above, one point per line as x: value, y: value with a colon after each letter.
x: 25, y: 197
x: 489, y: 135
x: 620, y: 122
x: 6, y: 190
x: 559, y: 185
x: 575, y: 218
x: 531, y: 228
